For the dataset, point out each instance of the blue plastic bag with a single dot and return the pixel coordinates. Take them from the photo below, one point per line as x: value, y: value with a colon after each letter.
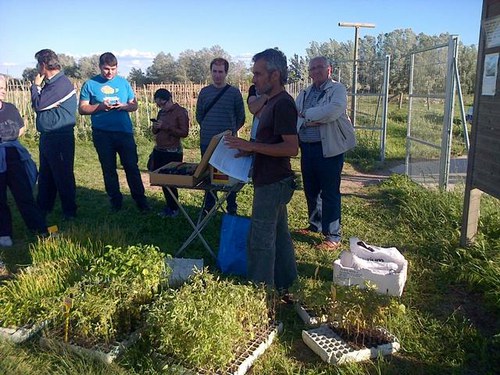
x: 232, y: 256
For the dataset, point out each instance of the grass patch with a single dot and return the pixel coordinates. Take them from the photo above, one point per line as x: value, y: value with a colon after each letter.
x: 451, y: 298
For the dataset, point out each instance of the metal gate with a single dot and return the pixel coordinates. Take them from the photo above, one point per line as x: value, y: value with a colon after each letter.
x: 368, y: 103
x: 433, y: 85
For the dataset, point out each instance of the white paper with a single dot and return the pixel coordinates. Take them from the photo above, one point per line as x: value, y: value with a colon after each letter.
x: 490, y: 74
x: 492, y: 31
x: 223, y: 159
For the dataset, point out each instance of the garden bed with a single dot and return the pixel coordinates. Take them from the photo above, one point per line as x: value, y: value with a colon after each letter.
x: 334, y: 349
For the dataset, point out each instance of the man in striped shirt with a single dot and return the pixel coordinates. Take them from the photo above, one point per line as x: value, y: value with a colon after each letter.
x: 219, y: 108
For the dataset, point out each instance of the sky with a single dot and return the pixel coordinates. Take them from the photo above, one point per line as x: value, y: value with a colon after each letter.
x: 136, y: 31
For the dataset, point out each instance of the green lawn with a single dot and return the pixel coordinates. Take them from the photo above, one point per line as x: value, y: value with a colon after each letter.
x: 452, y: 298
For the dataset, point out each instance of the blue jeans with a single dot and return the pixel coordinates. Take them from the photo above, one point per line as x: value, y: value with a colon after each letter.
x: 107, y: 145
x: 209, y: 200
x: 321, y: 179
x: 16, y: 179
x: 271, y: 255
x: 57, y: 159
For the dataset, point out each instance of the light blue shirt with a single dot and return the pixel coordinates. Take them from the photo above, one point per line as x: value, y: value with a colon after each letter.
x: 97, y: 90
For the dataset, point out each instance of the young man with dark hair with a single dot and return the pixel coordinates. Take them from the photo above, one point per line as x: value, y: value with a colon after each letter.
x: 219, y: 107
x: 108, y: 99
x: 53, y: 97
x: 271, y: 255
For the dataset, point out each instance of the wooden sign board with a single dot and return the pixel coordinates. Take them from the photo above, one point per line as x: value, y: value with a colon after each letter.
x: 483, y: 170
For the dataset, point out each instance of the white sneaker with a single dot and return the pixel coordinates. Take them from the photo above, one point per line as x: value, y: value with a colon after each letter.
x: 5, y: 241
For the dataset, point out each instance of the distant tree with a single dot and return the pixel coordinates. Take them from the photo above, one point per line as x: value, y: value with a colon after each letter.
x: 398, y: 43
x: 238, y: 72
x: 88, y: 66
x: 69, y: 65
x: 467, y: 63
x: 163, y: 69
x: 29, y: 74
x: 297, y: 69
x: 138, y: 76
x: 194, y: 66
x: 340, y: 55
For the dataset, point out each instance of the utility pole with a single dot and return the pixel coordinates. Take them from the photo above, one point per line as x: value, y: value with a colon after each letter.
x: 356, y: 26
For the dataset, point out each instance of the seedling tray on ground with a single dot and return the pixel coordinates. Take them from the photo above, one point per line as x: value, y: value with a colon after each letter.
x: 107, y: 356
x: 20, y: 334
x: 244, y: 359
x: 308, y: 316
x: 335, y: 350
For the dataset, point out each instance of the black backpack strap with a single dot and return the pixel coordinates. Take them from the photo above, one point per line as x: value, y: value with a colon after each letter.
x: 212, y: 103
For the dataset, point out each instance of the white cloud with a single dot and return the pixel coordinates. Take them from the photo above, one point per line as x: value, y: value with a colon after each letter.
x: 133, y: 53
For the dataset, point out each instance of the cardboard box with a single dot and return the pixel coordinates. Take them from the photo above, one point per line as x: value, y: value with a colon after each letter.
x: 199, y: 171
x: 219, y: 178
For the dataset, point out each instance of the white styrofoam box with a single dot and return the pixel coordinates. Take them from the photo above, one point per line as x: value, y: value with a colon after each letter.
x: 390, y: 283
x: 375, y: 253
x: 182, y: 268
x: 387, y: 268
x: 334, y: 350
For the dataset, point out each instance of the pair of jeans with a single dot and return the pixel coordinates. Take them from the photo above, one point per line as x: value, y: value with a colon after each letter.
x: 321, y: 179
x: 271, y: 255
x: 56, y: 175
x: 209, y: 200
x: 16, y: 179
x: 108, y: 144
x: 161, y: 158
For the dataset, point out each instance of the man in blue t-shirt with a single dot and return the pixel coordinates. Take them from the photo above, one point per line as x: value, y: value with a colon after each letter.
x: 108, y: 99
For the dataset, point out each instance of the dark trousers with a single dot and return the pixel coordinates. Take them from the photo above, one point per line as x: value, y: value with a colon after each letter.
x: 321, y: 179
x: 161, y: 158
x: 107, y: 145
x: 16, y: 178
x: 209, y: 200
x: 57, y: 157
x: 271, y: 255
